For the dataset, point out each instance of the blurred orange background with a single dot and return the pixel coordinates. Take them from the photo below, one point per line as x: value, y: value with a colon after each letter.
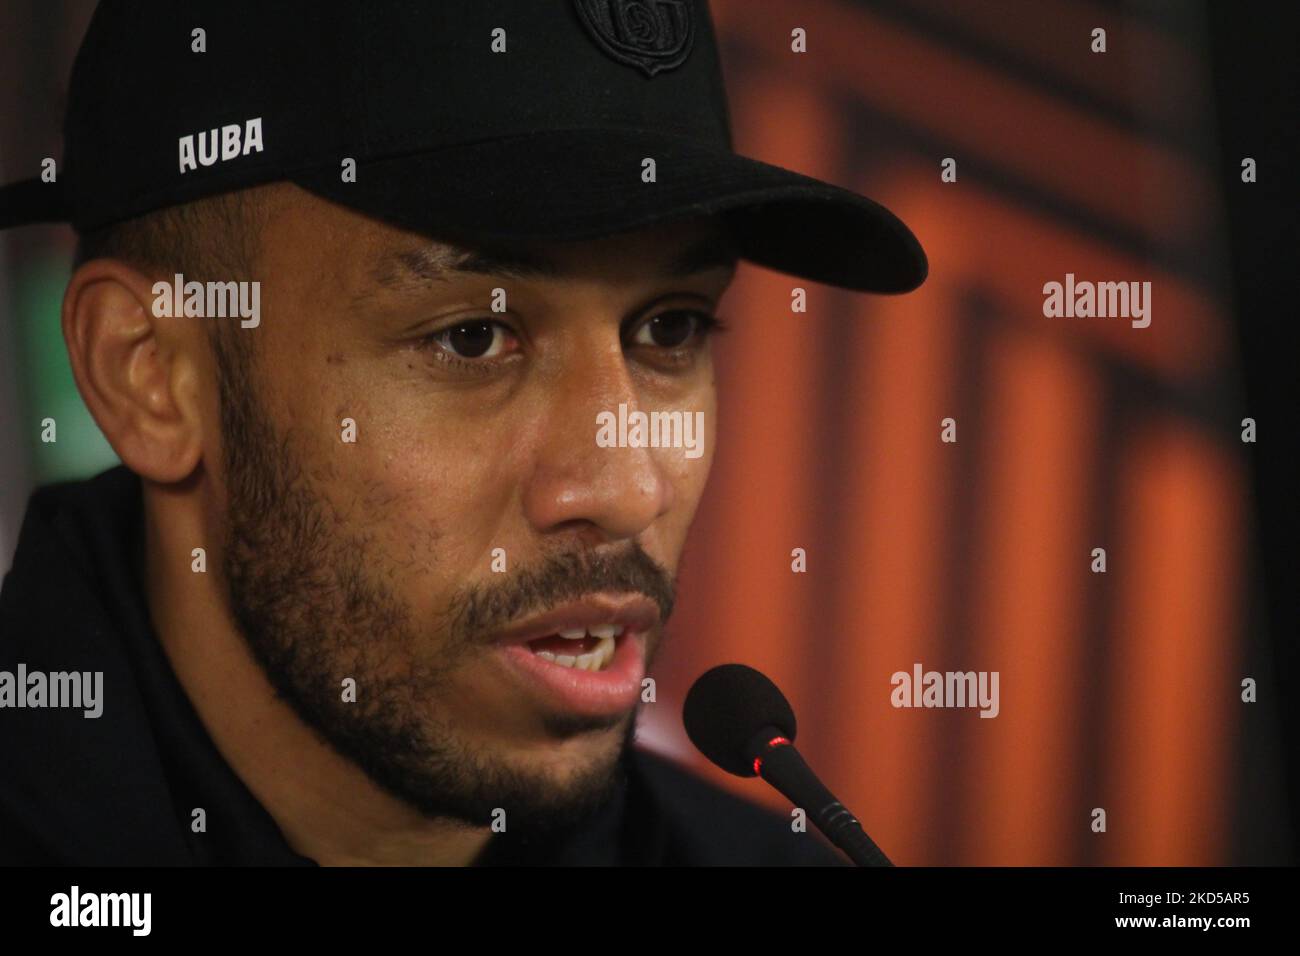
x: 1118, y: 690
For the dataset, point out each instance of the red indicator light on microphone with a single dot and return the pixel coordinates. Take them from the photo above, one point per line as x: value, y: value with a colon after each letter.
x: 774, y: 742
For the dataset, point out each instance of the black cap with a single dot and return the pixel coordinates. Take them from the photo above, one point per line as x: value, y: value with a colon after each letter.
x: 499, y: 119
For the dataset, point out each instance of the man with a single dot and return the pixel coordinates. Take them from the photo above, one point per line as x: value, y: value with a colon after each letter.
x: 354, y: 291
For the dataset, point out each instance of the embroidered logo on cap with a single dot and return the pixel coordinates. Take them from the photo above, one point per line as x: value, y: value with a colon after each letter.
x: 654, y: 35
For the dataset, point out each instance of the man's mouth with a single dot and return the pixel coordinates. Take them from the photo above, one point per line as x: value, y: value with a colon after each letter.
x: 585, y: 649
x: 587, y: 657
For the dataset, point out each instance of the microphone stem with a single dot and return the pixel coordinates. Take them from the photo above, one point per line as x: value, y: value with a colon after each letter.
x: 785, y: 769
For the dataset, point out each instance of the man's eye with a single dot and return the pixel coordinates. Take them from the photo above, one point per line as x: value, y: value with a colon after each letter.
x: 476, y: 339
x: 672, y: 330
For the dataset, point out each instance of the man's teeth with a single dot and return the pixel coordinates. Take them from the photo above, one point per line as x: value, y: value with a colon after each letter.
x: 601, y: 631
x: 593, y: 660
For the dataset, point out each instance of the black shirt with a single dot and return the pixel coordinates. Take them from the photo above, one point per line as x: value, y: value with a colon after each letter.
x: 120, y: 789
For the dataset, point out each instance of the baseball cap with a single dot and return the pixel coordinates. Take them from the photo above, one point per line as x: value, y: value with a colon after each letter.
x: 493, y: 119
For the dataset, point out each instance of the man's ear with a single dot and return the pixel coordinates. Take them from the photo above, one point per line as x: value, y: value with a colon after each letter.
x: 137, y: 372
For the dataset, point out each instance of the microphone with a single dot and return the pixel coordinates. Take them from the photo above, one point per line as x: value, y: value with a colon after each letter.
x: 742, y: 722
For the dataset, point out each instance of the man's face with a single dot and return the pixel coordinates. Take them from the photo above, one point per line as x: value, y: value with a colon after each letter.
x: 474, y: 501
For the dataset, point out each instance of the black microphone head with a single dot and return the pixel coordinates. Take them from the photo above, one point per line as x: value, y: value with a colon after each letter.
x: 726, y: 708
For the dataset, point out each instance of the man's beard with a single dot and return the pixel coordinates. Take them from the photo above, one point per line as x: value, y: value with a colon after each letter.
x: 310, y: 598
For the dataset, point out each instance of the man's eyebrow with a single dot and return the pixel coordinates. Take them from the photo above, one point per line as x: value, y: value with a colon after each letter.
x: 711, y: 252
x: 443, y: 262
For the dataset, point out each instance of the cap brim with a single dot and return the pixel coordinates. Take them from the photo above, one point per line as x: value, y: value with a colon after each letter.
x: 582, y: 184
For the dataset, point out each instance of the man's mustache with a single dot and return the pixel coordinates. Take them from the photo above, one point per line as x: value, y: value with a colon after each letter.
x: 483, y: 608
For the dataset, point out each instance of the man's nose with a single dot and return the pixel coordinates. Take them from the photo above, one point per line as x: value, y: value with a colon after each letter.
x: 611, y: 493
